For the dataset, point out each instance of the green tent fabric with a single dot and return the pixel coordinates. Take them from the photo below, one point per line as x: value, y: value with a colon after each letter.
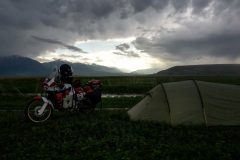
x: 190, y: 103
x: 153, y: 107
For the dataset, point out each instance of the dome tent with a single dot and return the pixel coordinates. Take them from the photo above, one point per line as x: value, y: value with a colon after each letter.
x: 190, y: 103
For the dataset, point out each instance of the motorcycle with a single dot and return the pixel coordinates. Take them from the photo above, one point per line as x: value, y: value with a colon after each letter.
x: 76, y: 97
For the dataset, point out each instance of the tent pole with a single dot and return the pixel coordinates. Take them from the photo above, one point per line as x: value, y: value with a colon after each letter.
x: 165, y: 93
x: 201, y: 100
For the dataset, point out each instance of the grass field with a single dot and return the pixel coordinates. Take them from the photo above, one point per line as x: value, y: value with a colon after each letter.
x: 111, y: 135
x: 116, y: 85
x: 18, y: 102
x: 108, y: 134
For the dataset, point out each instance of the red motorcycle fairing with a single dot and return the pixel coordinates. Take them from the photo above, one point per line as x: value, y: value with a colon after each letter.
x: 78, y: 90
x: 37, y: 98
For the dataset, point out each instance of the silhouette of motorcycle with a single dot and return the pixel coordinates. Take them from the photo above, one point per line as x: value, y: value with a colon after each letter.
x: 77, y: 97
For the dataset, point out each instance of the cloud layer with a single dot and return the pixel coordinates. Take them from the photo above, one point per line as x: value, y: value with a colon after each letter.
x: 204, y: 29
x: 70, y: 47
x: 170, y: 30
x: 125, y: 50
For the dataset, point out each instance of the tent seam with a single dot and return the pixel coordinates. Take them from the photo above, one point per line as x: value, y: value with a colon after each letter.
x: 169, y: 109
x: 201, y: 100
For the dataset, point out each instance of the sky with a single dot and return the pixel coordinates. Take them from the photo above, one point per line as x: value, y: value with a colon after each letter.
x: 126, y: 34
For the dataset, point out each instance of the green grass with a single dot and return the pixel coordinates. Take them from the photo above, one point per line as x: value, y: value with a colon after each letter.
x: 120, y: 102
x: 108, y: 134
x: 115, y: 85
x: 111, y: 135
x: 18, y: 102
x: 20, y: 85
x: 14, y: 102
x: 131, y: 84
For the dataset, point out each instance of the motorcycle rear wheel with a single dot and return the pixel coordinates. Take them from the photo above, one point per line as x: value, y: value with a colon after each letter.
x: 31, y: 111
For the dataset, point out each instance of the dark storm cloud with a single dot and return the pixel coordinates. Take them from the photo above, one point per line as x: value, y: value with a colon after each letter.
x: 181, y: 5
x: 73, y: 48
x: 141, y: 5
x: 123, y: 47
x: 199, y: 5
x: 68, y: 21
x: 124, y: 50
x: 53, y: 19
x: 223, y: 45
x: 217, y: 35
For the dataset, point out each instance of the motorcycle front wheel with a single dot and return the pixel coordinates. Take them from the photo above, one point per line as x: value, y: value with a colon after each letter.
x: 32, y: 114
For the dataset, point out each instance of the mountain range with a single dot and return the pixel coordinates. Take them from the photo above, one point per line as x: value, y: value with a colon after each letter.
x: 12, y: 66
x: 24, y: 66
x: 202, y: 70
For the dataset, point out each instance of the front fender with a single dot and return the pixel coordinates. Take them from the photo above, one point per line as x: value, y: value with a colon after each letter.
x: 44, y: 99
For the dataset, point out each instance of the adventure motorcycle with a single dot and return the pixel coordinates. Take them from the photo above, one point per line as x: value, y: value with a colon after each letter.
x: 77, y: 97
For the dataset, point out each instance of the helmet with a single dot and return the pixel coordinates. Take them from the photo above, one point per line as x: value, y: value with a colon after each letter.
x: 66, y: 70
x: 65, y: 73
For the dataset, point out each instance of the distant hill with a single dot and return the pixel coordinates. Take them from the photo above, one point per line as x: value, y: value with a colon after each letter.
x: 20, y: 66
x: 85, y: 69
x: 203, y: 70
x: 24, y: 66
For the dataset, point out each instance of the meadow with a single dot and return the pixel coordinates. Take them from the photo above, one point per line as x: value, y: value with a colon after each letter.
x: 115, y: 85
x: 111, y: 135
x: 107, y: 134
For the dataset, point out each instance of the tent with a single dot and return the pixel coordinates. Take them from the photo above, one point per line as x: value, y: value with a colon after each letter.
x: 190, y: 103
